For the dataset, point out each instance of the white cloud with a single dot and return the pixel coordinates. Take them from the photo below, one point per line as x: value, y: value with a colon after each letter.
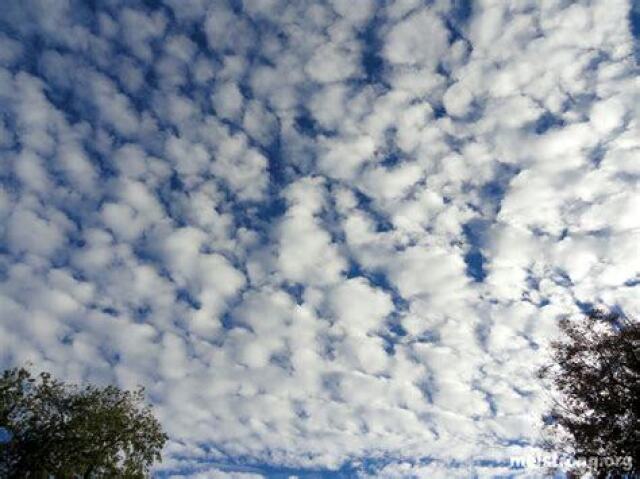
x: 139, y: 29
x: 79, y: 169
x: 29, y: 232
x: 214, y: 473
x: 330, y: 64
x: 219, y: 36
x: 429, y: 271
x: 307, y: 254
x: 357, y: 306
x: 458, y: 99
x: 607, y: 115
x: 341, y: 158
x: 357, y: 15
x: 10, y: 50
x: 243, y: 168
x: 227, y: 100
x: 190, y: 158
x: 420, y: 39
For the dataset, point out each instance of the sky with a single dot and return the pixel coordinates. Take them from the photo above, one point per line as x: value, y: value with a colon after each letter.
x: 332, y: 238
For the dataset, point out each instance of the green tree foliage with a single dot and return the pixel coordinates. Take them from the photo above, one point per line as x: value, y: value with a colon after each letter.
x: 596, y: 373
x: 53, y: 429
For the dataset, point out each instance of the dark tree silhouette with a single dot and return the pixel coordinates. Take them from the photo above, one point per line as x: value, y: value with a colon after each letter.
x: 596, y: 373
x: 52, y: 429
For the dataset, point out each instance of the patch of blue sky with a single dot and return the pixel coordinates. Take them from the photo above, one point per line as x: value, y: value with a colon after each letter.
x: 457, y: 18
x: 366, y: 204
x: 373, y: 63
x: 634, y: 25
x: 546, y: 122
x: 5, y: 435
x: 474, y: 233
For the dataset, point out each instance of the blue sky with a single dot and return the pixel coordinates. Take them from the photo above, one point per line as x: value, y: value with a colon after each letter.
x: 331, y: 238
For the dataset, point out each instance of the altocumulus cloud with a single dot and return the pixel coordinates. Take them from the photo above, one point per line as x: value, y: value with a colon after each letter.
x: 330, y: 237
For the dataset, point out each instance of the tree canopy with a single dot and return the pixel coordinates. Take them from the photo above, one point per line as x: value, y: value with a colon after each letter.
x: 53, y: 429
x: 596, y: 373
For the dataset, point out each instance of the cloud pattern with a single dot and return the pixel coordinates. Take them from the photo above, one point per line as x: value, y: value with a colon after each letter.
x: 329, y: 237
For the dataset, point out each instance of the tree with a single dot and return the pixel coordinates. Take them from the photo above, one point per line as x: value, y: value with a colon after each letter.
x: 53, y: 429
x: 596, y: 373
